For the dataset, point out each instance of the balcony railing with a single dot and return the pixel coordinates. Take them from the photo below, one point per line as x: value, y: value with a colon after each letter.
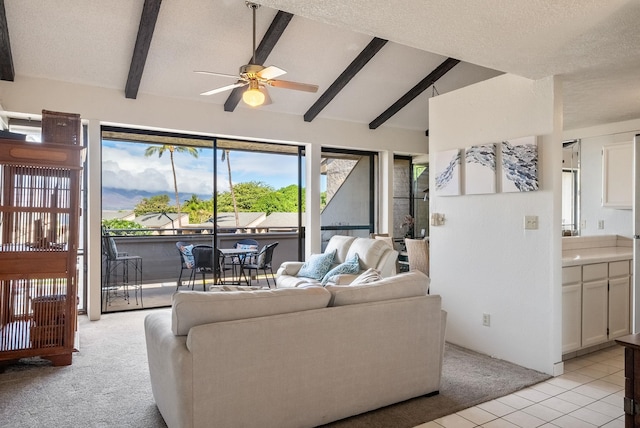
x: 161, y: 260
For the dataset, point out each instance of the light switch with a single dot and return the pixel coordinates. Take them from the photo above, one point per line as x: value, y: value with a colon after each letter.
x: 531, y: 222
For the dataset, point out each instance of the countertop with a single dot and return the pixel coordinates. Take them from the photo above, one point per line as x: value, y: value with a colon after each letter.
x: 595, y: 255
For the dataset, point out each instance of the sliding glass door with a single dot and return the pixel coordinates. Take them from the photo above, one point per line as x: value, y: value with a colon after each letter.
x: 159, y: 189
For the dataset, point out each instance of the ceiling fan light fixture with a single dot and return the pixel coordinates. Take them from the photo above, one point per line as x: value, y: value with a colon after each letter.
x: 253, y: 96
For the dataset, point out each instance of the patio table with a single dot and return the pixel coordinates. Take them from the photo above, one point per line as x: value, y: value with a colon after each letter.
x: 242, y: 255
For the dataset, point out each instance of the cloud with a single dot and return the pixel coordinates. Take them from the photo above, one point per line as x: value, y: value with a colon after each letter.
x: 124, y: 166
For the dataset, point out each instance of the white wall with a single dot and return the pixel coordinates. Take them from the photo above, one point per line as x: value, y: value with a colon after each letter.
x: 109, y: 106
x: 482, y: 259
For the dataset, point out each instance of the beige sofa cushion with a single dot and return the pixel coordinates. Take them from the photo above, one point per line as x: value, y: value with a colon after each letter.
x: 370, y: 252
x: 192, y: 308
x: 410, y: 284
x: 341, y: 244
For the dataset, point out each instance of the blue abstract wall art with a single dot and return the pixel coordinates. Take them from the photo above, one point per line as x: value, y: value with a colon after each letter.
x: 480, y: 169
x: 447, y: 172
x: 520, y: 165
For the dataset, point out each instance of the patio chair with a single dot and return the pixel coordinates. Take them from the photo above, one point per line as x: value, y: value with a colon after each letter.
x: 121, y: 271
x: 263, y: 262
x: 205, y: 263
x: 186, y: 260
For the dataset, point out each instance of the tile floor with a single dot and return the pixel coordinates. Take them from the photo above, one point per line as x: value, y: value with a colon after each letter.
x: 589, y: 394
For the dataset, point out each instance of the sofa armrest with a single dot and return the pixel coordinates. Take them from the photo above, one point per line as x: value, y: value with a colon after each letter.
x: 387, y: 264
x: 170, y: 369
x: 289, y: 268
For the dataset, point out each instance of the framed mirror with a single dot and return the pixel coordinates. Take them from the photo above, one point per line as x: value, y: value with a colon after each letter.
x: 571, y: 188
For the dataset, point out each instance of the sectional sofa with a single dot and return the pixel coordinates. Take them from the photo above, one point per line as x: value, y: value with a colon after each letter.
x: 294, y: 357
x: 368, y: 253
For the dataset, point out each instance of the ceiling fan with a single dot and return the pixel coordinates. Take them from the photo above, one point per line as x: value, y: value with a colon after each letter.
x: 257, y: 77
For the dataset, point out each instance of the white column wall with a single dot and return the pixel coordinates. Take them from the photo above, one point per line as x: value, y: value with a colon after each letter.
x: 94, y: 205
x: 27, y: 95
x: 385, y: 196
x: 313, y: 239
x: 482, y: 259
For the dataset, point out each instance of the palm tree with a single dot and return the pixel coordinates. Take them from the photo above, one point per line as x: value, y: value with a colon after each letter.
x: 225, y: 154
x: 151, y: 150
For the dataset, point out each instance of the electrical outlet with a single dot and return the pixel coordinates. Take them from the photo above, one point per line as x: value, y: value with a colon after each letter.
x: 486, y: 320
x: 600, y: 224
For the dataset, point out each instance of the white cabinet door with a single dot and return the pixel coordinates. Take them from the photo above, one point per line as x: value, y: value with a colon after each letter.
x: 571, y: 317
x: 617, y: 175
x: 619, y: 319
x: 594, y: 312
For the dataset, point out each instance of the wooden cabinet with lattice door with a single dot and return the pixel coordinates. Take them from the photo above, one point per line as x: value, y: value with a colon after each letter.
x: 39, y: 215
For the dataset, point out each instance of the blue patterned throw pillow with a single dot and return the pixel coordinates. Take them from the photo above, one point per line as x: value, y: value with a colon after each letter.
x: 317, y: 266
x: 351, y: 265
x: 250, y: 247
x: 187, y: 255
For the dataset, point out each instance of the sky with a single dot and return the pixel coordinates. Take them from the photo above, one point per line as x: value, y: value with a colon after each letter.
x: 124, y: 166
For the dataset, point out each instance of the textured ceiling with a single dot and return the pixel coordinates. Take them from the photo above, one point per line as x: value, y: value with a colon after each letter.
x: 593, y: 45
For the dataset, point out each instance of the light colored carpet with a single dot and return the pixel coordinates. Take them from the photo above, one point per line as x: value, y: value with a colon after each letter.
x: 108, y: 384
x: 468, y: 378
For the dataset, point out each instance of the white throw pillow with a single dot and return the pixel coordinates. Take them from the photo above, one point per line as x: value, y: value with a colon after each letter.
x: 369, y: 275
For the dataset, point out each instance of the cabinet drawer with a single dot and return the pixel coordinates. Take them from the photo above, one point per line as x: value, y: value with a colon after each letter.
x: 620, y: 268
x: 595, y: 271
x: 571, y: 275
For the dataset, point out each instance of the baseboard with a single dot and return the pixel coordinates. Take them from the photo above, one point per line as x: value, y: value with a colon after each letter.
x: 588, y: 350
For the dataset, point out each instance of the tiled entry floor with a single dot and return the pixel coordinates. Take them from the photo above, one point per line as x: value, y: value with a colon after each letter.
x: 589, y: 394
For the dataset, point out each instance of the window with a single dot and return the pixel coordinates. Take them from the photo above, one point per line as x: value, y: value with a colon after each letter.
x: 347, y: 192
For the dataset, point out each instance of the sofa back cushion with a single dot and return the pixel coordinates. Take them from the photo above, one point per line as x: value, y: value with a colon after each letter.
x: 370, y: 251
x: 409, y: 284
x: 192, y: 308
x: 340, y: 244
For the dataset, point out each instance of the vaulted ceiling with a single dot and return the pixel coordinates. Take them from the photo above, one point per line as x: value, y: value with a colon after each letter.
x: 376, y: 62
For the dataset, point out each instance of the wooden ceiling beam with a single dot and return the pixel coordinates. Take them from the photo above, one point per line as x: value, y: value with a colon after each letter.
x: 6, y: 59
x: 150, y: 12
x: 349, y: 73
x: 436, y: 74
x: 271, y: 37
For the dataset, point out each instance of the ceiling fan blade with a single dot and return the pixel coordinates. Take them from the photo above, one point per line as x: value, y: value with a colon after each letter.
x: 213, y: 73
x: 224, y: 88
x: 293, y: 85
x: 270, y: 72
